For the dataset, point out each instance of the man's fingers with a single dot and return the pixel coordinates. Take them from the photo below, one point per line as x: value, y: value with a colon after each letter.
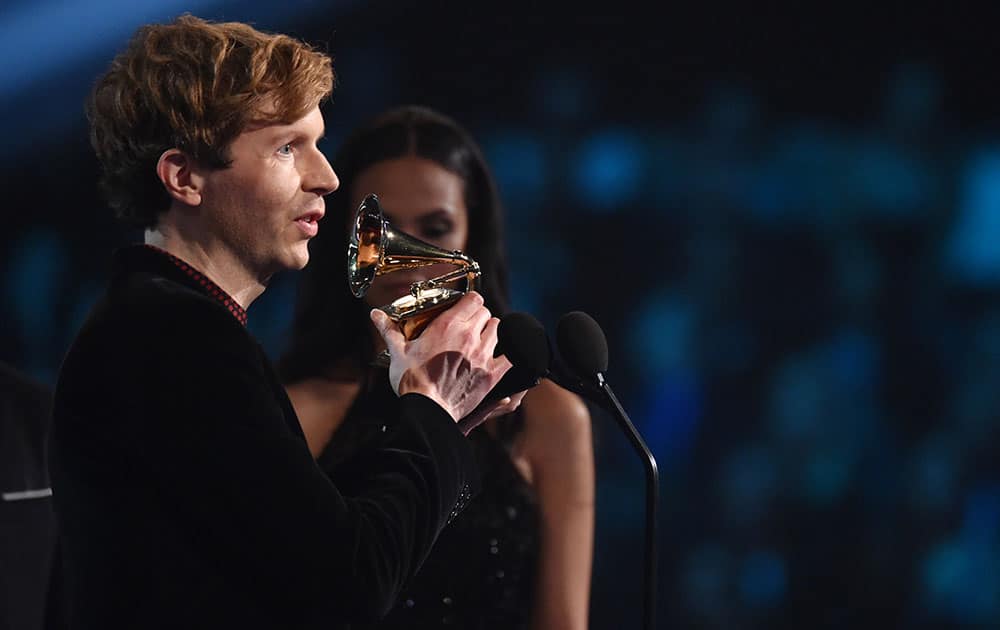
x: 490, y: 333
x: 492, y: 410
x: 465, y: 308
x: 502, y: 363
x: 499, y: 366
x: 478, y: 320
x: 506, y: 405
x: 515, y: 399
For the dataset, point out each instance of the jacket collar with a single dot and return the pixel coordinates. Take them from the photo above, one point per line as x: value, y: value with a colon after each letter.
x: 152, y: 259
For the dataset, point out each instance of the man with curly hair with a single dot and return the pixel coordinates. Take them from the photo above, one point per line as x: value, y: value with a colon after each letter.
x: 185, y: 493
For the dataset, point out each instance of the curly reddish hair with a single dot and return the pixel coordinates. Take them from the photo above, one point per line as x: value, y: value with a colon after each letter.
x: 193, y: 85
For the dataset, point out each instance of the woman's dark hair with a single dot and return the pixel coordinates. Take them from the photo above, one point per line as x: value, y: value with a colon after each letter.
x: 330, y: 323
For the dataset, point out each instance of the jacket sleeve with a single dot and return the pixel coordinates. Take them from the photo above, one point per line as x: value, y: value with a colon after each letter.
x: 206, y: 428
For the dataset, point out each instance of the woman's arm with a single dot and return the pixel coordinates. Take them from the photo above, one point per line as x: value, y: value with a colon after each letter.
x: 558, y: 447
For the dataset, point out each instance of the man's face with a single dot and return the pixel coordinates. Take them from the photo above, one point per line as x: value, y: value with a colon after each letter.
x: 266, y: 206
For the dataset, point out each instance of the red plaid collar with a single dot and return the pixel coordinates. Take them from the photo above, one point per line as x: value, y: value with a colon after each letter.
x: 210, y: 288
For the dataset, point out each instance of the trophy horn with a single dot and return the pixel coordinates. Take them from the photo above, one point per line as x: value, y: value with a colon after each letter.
x: 376, y: 248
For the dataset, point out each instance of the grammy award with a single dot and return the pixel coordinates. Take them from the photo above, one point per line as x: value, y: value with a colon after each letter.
x: 376, y: 248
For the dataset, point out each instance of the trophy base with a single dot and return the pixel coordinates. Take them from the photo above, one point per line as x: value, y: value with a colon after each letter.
x: 414, y: 313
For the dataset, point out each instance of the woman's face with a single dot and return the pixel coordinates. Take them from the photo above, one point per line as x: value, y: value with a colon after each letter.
x: 422, y: 199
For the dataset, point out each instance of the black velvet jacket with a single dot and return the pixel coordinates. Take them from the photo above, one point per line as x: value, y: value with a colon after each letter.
x: 185, y: 494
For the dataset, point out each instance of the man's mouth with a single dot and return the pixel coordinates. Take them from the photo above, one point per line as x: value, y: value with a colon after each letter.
x: 309, y: 222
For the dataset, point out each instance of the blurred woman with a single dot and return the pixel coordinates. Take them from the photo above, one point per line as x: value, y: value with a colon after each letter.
x: 519, y: 555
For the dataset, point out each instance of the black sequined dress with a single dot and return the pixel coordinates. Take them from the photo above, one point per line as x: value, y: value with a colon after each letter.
x: 481, y: 572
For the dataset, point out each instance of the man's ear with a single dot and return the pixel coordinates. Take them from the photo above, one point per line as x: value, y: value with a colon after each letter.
x: 177, y: 172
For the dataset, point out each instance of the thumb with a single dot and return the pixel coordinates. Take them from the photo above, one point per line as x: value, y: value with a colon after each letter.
x: 388, y: 330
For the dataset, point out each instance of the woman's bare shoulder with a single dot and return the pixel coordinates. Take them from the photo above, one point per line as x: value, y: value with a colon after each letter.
x: 554, y: 415
x: 547, y: 397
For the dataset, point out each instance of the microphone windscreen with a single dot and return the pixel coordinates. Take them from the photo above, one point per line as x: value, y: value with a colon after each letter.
x: 582, y: 344
x: 523, y: 340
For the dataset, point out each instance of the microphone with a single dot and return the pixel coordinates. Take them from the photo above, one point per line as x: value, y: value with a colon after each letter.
x: 582, y: 344
x: 523, y: 340
x: 583, y: 349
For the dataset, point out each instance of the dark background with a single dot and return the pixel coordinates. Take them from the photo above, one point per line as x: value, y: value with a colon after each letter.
x: 785, y: 217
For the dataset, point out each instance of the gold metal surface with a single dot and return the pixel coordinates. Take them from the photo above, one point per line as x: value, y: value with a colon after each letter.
x: 376, y: 249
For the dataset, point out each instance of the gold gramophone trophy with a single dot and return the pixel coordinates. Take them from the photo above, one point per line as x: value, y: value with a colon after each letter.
x: 376, y: 248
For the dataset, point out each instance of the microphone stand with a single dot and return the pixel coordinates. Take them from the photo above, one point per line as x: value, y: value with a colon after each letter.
x: 583, y: 349
x: 599, y: 390
x: 652, y: 491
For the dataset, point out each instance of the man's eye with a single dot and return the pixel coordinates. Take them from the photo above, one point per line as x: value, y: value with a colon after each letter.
x: 286, y: 149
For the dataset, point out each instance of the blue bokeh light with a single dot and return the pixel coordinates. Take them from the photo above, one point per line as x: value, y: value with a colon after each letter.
x: 608, y: 170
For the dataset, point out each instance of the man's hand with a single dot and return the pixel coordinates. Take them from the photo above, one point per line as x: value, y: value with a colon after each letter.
x: 452, y: 361
x: 490, y: 410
